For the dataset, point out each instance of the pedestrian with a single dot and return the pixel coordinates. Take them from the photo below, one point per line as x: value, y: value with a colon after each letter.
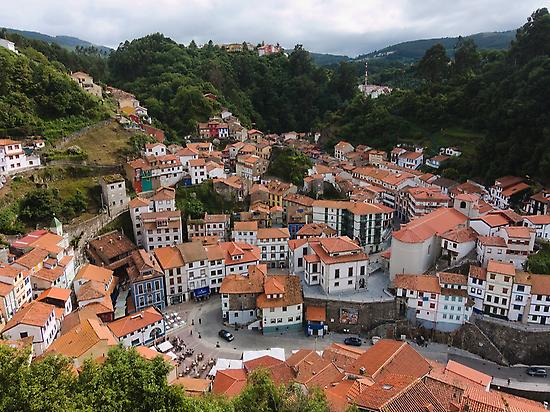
x: 191, y: 332
x: 199, y: 335
x: 192, y: 322
x: 508, y: 381
x: 200, y: 321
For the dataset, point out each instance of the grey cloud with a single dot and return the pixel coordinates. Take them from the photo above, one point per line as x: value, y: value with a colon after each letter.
x: 332, y: 26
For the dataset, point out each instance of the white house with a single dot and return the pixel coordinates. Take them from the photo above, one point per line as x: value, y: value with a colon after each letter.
x: 273, y: 243
x: 141, y: 328
x: 245, y: 232
x: 36, y: 319
x: 154, y: 149
x: 417, y: 245
x: 6, y: 44
x: 197, y: 170
x: 13, y: 158
x: 477, y: 278
x: 435, y: 302
x: 336, y: 264
x: 541, y: 224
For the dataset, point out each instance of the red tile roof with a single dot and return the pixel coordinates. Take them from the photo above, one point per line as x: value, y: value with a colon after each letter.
x: 131, y: 323
x: 437, y: 222
x: 229, y: 382
x: 502, y: 268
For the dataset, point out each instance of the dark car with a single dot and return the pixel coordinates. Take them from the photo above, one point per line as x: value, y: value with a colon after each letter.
x: 353, y: 341
x: 537, y: 372
x: 225, y: 335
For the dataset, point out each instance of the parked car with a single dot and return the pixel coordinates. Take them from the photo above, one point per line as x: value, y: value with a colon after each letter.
x: 225, y: 335
x: 353, y: 341
x: 534, y: 371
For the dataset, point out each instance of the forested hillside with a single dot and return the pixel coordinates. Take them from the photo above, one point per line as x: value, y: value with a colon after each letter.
x: 273, y: 93
x: 410, y: 51
x: 499, y: 98
x: 38, y: 97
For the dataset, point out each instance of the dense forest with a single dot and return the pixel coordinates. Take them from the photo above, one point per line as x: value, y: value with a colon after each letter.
x: 273, y: 93
x: 503, y: 96
x: 124, y: 381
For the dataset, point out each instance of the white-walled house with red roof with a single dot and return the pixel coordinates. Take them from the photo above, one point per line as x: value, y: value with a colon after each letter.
x: 541, y: 224
x: 336, y: 264
x: 417, y: 245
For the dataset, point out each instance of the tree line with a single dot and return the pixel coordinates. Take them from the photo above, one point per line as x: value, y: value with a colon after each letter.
x: 124, y: 381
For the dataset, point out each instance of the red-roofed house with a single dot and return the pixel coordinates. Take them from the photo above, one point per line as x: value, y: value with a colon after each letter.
x: 417, y: 245
x: 337, y: 264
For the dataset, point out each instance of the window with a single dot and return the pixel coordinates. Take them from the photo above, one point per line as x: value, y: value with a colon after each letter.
x: 279, y: 320
x: 350, y: 271
x: 337, y: 274
x: 492, y: 276
x: 336, y: 284
x: 285, y: 308
x: 520, y: 288
x: 507, y: 278
x: 350, y: 282
x: 23, y: 334
x: 504, y: 290
x: 272, y: 309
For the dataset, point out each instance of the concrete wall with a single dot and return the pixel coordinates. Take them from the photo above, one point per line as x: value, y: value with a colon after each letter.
x: 370, y: 314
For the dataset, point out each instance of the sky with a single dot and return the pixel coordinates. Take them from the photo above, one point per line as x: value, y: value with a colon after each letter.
x: 349, y: 27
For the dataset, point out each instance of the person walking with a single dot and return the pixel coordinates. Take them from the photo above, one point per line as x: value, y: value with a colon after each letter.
x: 200, y: 321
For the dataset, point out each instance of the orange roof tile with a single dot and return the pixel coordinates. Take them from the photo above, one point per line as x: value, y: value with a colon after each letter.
x: 229, y: 382
x: 273, y: 233
x: 34, y: 313
x: 469, y: 373
x: 478, y: 272
x: 92, y: 272
x: 82, y: 338
x: 169, y: 257
x: 388, y: 356
x: 502, y: 268
x: 250, y: 226
x: 316, y: 313
x: 437, y: 222
x: 193, y: 386
x: 420, y: 283
x: 131, y: 323
x: 55, y: 293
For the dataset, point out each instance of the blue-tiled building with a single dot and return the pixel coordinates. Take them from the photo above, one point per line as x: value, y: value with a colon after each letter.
x: 146, y: 278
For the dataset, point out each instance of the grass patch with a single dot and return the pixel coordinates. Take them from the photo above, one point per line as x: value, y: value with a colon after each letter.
x: 106, y: 145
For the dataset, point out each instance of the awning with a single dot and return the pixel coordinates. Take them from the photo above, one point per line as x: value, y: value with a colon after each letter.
x: 200, y: 292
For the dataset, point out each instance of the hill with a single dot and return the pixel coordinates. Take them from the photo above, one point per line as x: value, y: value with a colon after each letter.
x: 325, y: 59
x: 415, y: 49
x: 38, y: 97
x: 68, y: 42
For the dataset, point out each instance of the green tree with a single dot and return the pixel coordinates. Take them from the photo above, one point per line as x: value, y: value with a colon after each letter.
x: 434, y: 66
x: 289, y: 165
x: 467, y: 59
x: 40, y: 206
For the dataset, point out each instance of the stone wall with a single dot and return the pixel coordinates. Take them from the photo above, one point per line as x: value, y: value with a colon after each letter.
x: 87, y: 230
x: 529, y: 346
x: 369, y: 315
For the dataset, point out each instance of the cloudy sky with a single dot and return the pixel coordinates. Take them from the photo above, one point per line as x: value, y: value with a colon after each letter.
x: 331, y: 26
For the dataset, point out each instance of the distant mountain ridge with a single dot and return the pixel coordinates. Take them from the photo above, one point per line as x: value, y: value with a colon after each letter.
x: 68, y: 42
x: 415, y: 49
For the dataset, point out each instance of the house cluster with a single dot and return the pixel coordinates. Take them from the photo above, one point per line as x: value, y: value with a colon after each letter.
x: 446, y: 300
x: 389, y: 376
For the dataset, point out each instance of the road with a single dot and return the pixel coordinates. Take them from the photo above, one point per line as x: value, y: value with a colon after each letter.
x: 203, y: 338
